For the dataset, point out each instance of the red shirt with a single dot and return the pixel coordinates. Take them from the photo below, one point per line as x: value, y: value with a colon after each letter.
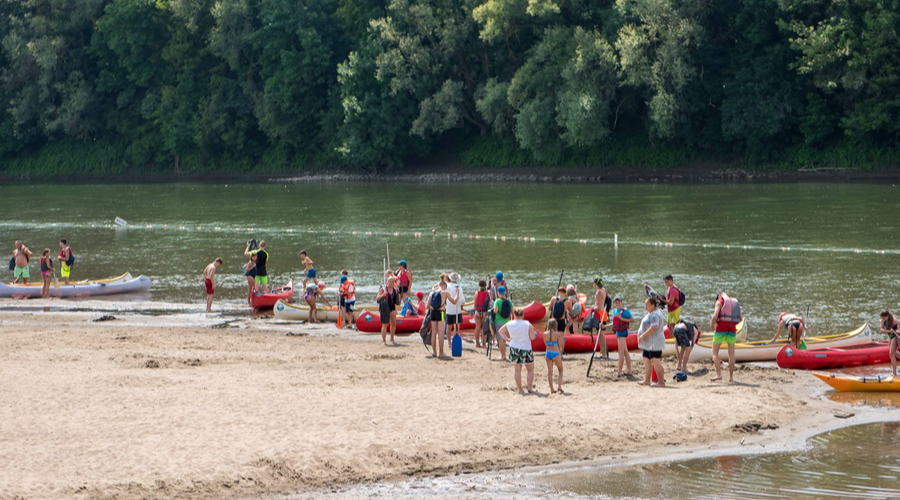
x: 673, y: 294
x: 404, y: 277
x: 724, y: 326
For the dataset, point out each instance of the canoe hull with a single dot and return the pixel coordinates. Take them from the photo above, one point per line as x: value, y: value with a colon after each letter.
x: 761, y: 351
x: 300, y: 312
x: 370, y: 322
x: 268, y: 300
x: 122, y: 284
x: 846, y: 383
x: 839, y: 357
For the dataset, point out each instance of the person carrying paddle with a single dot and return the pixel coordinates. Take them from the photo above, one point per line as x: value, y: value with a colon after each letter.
x: 209, y: 274
x: 601, y: 306
x: 46, y: 272
x: 891, y: 327
x: 21, y: 255
x: 652, y: 341
x: 725, y: 319
x: 622, y: 319
x: 262, y: 258
x: 795, y: 326
x: 519, y: 334
x: 66, y: 260
x: 559, y: 309
x: 503, y: 309
x: 556, y: 345
x: 437, y: 303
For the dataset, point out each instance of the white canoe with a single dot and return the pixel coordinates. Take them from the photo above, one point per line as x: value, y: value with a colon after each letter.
x: 669, y: 350
x: 768, y: 351
x: 300, y: 312
x: 87, y: 288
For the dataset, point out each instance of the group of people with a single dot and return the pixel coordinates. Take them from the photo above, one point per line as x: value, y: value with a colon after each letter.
x: 20, y: 264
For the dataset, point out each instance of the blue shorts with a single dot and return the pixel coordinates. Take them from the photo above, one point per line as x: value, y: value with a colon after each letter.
x: 348, y: 306
x: 311, y: 273
x: 621, y: 335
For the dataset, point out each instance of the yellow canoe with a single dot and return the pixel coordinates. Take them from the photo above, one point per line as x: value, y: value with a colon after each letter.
x: 848, y: 383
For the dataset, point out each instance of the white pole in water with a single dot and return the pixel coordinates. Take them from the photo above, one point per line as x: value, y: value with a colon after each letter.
x: 616, y: 239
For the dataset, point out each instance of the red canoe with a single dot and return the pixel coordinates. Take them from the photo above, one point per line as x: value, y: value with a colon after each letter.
x: 268, y: 300
x: 585, y: 343
x: 370, y: 322
x: 534, y: 312
x: 872, y: 353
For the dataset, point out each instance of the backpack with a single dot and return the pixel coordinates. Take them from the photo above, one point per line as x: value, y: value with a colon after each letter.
x: 608, y: 304
x: 435, y: 300
x: 505, y: 309
x: 425, y: 333
x: 12, y: 263
x: 71, y: 259
x: 680, y: 298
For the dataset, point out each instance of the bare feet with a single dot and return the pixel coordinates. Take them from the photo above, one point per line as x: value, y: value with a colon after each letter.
x: 658, y: 384
x: 643, y: 383
x: 716, y: 378
x: 552, y: 391
x: 560, y: 390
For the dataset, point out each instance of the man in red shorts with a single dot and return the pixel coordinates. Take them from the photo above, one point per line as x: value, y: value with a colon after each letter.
x: 209, y: 274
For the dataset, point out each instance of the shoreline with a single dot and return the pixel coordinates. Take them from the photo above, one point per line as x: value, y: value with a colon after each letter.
x: 212, y: 406
x: 525, y: 175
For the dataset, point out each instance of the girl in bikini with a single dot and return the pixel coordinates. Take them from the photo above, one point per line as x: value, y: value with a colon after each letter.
x: 556, y: 343
x: 891, y: 327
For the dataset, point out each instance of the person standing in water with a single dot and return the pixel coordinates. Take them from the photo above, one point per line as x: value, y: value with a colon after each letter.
x: 725, y: 319
x: 209, y: 275
x: 46, y: 272
x: 21, y: 255
x: 555, y: 342
x: 262, y: 258
x: 310, y: 270
x: 66, y: 260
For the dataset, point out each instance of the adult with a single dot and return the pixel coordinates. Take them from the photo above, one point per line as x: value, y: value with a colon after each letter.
x: 454, y: 310
x: 519, y: 334
x: 622, y: 319
x: 405, y: 279
x: 686, y: 335
x: 347, y: 301
x: 437, y: 313
x: 46, y: 272
x: 672, y: 300
x: 725, y: 319
x: 262, y: 258
x: 575, y: 314
x: 482, y: 306
x: 652, y: 341
x: 503, y: 310
x: 559, y: 309
x: 601, y: 305
x: 388, y: 297
x: 309, y: 268
x: 21, y: 256
x: 66, y: 260
x: 556, y: 345
x: 891, y: 327
x: 209, y: 275
x: 250, y: 274
x: 795, y: 326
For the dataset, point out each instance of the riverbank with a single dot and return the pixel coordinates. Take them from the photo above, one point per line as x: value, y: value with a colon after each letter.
x: 202, y: 406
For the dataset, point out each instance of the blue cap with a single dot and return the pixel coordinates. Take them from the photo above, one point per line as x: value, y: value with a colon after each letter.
x: 501, y: 290
x: 343, y: 279
x: 402, y: 263
x: 499, y: 275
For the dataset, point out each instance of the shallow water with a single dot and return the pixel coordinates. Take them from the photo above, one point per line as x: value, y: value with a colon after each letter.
x: 854, y: 462
x: 776, y: 247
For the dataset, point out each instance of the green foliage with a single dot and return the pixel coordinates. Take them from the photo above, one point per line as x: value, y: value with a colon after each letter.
x: 140, y: 87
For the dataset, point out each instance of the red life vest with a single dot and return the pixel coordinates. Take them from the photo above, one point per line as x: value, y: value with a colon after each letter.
x: 348, y: 290
x: 618, y: 324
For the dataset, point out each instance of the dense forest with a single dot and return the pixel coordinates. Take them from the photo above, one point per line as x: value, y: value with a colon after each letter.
x: 94, y: 87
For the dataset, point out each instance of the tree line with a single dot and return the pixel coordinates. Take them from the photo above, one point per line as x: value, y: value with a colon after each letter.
x: 243, y: 85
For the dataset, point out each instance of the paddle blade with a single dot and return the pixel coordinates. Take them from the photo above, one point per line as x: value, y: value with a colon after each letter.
x: 340, y: 318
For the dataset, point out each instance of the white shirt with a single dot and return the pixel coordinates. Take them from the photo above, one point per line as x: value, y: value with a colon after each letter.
x: 657, y: 340
x: 518, y: 333
x: 458, y: 307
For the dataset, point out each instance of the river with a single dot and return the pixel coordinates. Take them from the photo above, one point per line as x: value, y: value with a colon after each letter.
x: 776, y: 247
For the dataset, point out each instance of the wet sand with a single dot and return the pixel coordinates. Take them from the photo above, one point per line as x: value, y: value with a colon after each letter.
x: 197, y: 406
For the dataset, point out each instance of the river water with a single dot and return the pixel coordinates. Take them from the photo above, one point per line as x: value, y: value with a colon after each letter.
x: 775, y: 247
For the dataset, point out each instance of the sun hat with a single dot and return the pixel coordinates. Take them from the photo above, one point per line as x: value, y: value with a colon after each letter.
x: 617, y: 298
x: 454, y: 277
x: 501, y: 290
x: 402, y: 263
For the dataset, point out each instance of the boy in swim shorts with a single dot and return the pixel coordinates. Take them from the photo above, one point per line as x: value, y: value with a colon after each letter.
x: 209, y: 274
x: 310, y: 270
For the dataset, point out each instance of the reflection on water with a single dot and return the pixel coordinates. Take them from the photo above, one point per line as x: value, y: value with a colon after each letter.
x: 874, y: 399
x: 855, y: 462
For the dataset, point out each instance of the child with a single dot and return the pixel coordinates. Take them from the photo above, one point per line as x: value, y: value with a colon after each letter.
x: 556, y: 344
x: 502, y: 311
x: 314, y: 290
x: 310, y: 270
x: 250, y: 273
x: 686, y: 334
x: 209, y: 274
x: 347, y: 293
x: 622, y: 318
x: 575, y: 315
x: 482, y: 305
x: 46, y: 272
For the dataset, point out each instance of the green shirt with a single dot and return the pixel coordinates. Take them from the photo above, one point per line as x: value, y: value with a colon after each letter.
x: 498, y: 320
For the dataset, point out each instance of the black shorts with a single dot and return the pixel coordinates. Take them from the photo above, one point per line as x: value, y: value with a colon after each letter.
x: 794, y: 324
x: 653, y: 354
x: 437, y: 315
x: 454, y: 319
x: 403, y: 289
x: 341, y: 302
x: 561, y: 324
x: 385, y: 312
x: 683, y: 338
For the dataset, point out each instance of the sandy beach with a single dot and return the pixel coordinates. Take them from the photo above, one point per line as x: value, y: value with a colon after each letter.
x: 203, y: 407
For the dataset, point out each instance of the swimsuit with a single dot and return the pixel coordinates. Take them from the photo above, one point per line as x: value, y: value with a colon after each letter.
x: 551, y: 355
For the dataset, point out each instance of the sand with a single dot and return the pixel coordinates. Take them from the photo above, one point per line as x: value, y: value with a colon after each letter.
x: 151, y: 407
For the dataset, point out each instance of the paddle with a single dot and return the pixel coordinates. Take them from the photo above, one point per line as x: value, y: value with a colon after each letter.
x: 596, y: 342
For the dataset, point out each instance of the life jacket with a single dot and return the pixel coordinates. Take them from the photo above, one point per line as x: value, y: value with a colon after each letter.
x: 482, y: 301
x: 730, y: 312
x: 404, y: 277
x: 559, y: 309
x: 348, y: 290
x: 618, y: 324
x: 44, y: 266
x: 68, y: 260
